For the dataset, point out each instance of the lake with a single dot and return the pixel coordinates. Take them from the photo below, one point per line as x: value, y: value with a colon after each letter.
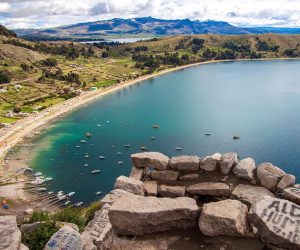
x: 257, y: 100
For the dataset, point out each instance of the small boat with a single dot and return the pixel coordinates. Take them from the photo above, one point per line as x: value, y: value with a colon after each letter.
x: 155, y: 126
x: 70, y: 194
x: 107, y: 121
x: 120, y: 162
x: 97, y: 171
x: 119, y: 153
x: 101, y: 157
x: 62, y: 197
x: 178, y: 148
x: 38, y: 174
x: 152, y: 138
x: 98, y: 125
x: 78, y: 204
x: 208, y: 134
x: 236, y: 137
x: 87, y: 156
x: 126, y: 146
x: 88, y: 134
x: 86, y: 165
x: 48, y: 179
x: 98, y: 193
x: 77, y: 146
x: 67, y: 203
x: 37, y: 182
x: 83, y: 141
x: 51, y: 192
x: 143, y: 148
x: 41, y: 189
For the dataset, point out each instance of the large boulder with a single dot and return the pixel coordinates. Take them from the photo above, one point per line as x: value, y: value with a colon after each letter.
x: 185, y: 163
x: 277, y: 222
x: 10, y: 235
x: 166, y: 175
x: 112, y: 196
x: 249, y: 194
x: 98, y: 233
x: 245, y: 169
x: 136, y: 173
x: 138, y: 215
x: 171, y: 191
x: 227, y: 161
x: 130, y: 185
x: 210, y: 163
x: 286, y: 181
x: 269, y: 175
x: 150, y: 159
x: 292, y: 194
x: 65, y: 238
x: 227, y: 217
x: 189, y: 177
x: 150, y: 188
x: 209, y: 188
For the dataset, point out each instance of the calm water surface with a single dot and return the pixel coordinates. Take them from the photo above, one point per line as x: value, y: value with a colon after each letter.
x: 257, y: 100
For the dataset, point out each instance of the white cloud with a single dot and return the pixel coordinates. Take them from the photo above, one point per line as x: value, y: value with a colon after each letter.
x: 47, y: 13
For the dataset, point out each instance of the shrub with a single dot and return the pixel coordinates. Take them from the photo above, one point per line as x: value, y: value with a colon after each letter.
x: 72, y: 215
x: 5, y: 76
x: 39, y: 216
x: 105, y: 54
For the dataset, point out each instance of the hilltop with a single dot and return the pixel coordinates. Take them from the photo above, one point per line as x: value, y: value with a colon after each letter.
x: 146, y: 26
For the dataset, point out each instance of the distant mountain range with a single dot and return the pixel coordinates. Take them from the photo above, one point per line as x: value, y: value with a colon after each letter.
x: 148, y: 26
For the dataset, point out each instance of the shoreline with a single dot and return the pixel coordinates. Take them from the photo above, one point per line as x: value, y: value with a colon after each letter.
x: 10, y: 137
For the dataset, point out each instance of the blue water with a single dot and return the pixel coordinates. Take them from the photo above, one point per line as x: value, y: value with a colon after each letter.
x: 257, y: 100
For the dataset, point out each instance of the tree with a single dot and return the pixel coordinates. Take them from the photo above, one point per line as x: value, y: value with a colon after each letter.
x: 105, y: 54
x: 5, y: 76
x: 17, y: 110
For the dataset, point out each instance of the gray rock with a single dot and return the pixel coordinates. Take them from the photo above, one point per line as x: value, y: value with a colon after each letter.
x: 228, y: 218
x: 249, y: 194
x: 138, y: 215
x: 269, y: 175
x: 130, y: 185
x: 171, y: 191
x: 210, y: 163
x: 245, y: 169
x: 277, y: 222
x: 227, y: 161
x: 65, y: 238
x: 166, y: 175
x: 189, y: 177
x: 286, y: 181
x: 292, y: 194
x: 23, y: 247
x: 150, y: 159
x: 112, y: 196
x: 185, y: 163
x: 136, y: 173
x: 10, y: 235
x: 209, y: 188
x: 151, y: 188
x: 98, y: 233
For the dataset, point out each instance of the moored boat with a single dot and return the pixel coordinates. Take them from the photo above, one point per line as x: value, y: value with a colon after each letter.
x: 96, y: 171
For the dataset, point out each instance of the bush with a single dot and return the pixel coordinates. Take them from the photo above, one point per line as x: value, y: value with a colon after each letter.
x: 105, y: 54
x: 72, y: 215
x: 5, y: 76
x: 49, y: 62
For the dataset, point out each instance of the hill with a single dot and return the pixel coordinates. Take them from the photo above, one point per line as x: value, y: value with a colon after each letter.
x: 147, y: 26
x: 6, y: 32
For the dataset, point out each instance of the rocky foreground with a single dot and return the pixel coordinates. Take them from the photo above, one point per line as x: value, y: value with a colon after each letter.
x: 214, y: 197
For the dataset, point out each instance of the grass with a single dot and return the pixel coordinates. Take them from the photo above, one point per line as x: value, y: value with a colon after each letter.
x: 49, y: 102
x: 105, y: 83
x: 7, y: 119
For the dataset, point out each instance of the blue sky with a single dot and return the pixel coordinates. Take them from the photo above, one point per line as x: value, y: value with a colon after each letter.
x: 51, y: 13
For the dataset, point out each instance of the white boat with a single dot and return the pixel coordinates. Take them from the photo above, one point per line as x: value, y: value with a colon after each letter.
x: 70, y: 194
x: 86, y: 165
x: 97, y: 171
x: 78, y: 204
x: 120, y: 162
x: 51, y: 192
x: 178, y: 148
x: 67, y: 203
x: 38, y: 174
x: 48, y: 179
x: 98, y: 193
x: 77, y: 146
x: 126, y: 146
x: 41, y: 189
x: 63, y: 197
x: 152, y: 138
x: 98, y: 125
x: 101, y: 157
x: 83, y: 141
x: 119, y: 153
x: 37, y: 181
x: 107, y: 121
x: 87, y: 156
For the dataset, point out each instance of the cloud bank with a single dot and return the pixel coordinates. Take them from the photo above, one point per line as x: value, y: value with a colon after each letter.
x: 51, y: 13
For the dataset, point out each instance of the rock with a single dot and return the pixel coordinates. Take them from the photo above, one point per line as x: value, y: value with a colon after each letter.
x: 185, y: 163
x: 209, y: 188
x: 171, y: 191
x: 210, y: 163
x: 245, y: 169
x: 10, y: 235
x: 227, y: 217
x: 286, y: 181
x: 98, y: 233
x: 130, y: 185
x: 150, y: 188
x: 292, y: 194
x: 136, y: 173
x: 28, y: 211
x: 65, y: 238
x: 69, y: 224
x: 23, y: 247
x: 189, y: 177
x: 277, y: 222
x: 28, y: 228
x: 227, y: 161
x: 166, y: 175
x: 269, y: 175
x: 150, y: 159
x: 249, y: 194
x: 138, y: 215
x: 112, y: 196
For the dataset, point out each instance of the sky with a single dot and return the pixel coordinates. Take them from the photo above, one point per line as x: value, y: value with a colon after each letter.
x: 52, y: 13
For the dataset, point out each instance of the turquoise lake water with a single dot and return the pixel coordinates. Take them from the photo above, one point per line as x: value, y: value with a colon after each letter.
x: 257, y: 100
